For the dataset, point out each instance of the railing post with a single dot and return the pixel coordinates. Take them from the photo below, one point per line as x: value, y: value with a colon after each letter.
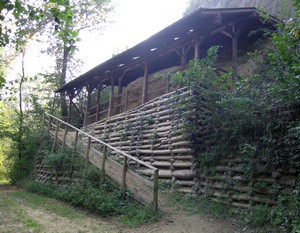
x: 168, y: 84
x: 87, y: 153
x: 55, y: 137
x: 49, y: 125
x: 74, y: 152
x: 64, y: 139
x: 123, y: 185
x: 102, y: 172
x: 155, y: 191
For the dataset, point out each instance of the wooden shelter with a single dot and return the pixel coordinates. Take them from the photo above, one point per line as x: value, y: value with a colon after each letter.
x: 136, y: 119
x: 188, y: 38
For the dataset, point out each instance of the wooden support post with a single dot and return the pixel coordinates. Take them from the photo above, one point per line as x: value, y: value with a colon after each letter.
x: 99, y: 87
x: 73, y: 153
x: 234, y: 52
x: 126, y: 100
x: 155, y: 192
x: 234, y: 34
x: 168, y: 84
x: 123, y: 185
x: 87, y: 153
x: 86, y: 115
x: 55, y: 136
x: 145, y: 84
x: 183, y: 56
x: 49, y: 125
x: 196, y: 50
x: 111, y: 97
x: 64, y: 138
x: 119, y: 94
x: 102, y: 172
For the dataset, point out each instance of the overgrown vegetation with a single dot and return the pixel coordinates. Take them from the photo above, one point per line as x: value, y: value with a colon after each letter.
x: 105, y: 200
x: 84, y: 191
x: 258, y: 218
x: 256, y: 118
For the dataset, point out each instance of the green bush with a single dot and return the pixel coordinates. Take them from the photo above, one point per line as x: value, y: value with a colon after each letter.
x: 286, y: 213
x: 104, y: 200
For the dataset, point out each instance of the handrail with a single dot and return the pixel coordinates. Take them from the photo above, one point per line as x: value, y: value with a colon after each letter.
x: 125, y: 156
x: 105, y: 144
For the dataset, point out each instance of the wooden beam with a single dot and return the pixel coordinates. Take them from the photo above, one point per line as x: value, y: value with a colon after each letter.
x: 234, y: 52
x: 119, y: 93
x: 77, y: 109
x: 111, y: 97
x: 145, y: 84
x: 86, y: 115
x: 196, y: 49
x: 126, y: 100
x: 222, y: 28
x: 226, y: 11
x: 99, y: 87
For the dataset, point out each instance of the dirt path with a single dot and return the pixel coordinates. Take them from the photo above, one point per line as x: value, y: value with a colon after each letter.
x: 24, y: 212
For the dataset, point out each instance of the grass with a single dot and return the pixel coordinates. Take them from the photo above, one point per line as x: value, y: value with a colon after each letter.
x: 134, y: 215
x: 95, y: 199
x: 33, y: 199
x: 62, y: 211
x: 45, y: 202
x: 12, y: 208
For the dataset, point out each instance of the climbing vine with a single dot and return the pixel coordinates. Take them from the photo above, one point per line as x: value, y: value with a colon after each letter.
x: 255, y: 119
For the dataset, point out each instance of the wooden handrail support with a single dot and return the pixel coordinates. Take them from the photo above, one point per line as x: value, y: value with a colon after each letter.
x: 55, y: 137
x: 102, y: 172
x: 73, y: 153
x: 105, y: 146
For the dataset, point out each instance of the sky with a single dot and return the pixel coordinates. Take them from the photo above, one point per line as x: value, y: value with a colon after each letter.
x: 135, y: 21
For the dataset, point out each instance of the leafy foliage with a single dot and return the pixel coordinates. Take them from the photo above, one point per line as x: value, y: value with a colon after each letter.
x: 255, y: 118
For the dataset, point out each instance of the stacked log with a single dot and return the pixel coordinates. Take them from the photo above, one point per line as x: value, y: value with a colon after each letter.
x: 151, y: 133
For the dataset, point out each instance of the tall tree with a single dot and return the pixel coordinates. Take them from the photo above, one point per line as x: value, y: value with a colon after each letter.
x: 86, y: 15
x: 60, y: 21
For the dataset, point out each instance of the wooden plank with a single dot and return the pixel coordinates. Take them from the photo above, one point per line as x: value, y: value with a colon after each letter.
x: 99, y: 87
x: 73, y: 153
x: 55, y: 136
x: 126, y: 100
x: 141, y: 188
x: 102, y: 170
x: 87, y: 153
x: 111, y: 97
x: 145, y: 84
x: 123, y: 184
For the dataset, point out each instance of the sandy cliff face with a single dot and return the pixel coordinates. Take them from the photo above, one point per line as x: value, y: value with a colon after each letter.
x: 280, y: 8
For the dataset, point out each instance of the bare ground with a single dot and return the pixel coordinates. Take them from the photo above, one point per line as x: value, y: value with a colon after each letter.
x: 18, y: 215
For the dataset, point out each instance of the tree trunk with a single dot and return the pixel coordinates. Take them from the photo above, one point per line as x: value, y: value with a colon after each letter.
x: 66, y: 54
x: 20, y: 133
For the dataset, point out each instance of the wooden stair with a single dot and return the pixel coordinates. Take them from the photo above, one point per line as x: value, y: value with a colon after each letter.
x: 141, y: 188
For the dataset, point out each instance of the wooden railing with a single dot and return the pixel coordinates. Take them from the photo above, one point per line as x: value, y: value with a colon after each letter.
x: 104, y: 153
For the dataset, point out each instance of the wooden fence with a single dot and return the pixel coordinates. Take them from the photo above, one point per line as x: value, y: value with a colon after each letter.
x: 69, y: 135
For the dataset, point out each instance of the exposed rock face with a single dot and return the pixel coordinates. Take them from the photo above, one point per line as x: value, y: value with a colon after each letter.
x: 279, y: 8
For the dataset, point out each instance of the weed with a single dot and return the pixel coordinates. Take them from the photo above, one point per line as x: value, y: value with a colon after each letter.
x: 62, y: 211
x: 136, y: 215
x: 31, y: 198
x: 259, y: 216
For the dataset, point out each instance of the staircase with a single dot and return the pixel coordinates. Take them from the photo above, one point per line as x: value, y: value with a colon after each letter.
x: 141, y: 188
